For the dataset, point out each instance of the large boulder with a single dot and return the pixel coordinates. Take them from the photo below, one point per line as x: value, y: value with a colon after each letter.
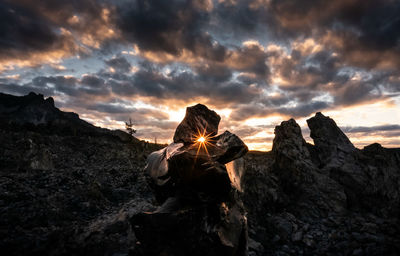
x: 198, y: 120
x: 196, y: 183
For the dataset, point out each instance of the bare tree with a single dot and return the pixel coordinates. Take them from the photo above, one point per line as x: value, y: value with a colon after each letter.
x: 128, y: 127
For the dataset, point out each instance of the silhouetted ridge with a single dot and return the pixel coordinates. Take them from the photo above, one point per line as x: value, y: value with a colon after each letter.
x: 33, y: 112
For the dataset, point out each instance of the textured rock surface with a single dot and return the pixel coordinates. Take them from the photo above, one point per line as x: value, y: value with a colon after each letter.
x: 71, y: 191
x: 198, y: 119
x: 63, y: 191
x: 300, y: 178
x: 327, y: 199
x: 332, y: 144
x: 201, y: 213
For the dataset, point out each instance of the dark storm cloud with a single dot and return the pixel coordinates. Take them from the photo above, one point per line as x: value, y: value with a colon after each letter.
x: 120, y: 64
x: 250, y: 58
x: 168, y: 26
x: 92, y: 81
x: 258, y: 110
x: 303, y: 109
x: 36, y: 32
x: 150, y: 81
x: 109, y: 108
x: 355, y: 92
x: 389, y: 127
x: 359, y: 30
x: 60, y: 85
x: 23, y: 31
x: 71, y: 86
x: 303, y: 69
x: 214, y: 73
x: 16, y: 89
x: 244, y: 112
x: 83, y: 16
x: 311, y: 75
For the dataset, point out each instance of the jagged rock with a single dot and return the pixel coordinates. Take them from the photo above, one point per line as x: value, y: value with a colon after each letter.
x: 331, y: 143
x: 230, y: 147
x: 353, y: 169
x: 198, y: 120
x: 289, y: 141
x: 34, y: 109
x: 200, y: 205
x: 300, y: 177
x: 191, y: 167
x: 34, y: 113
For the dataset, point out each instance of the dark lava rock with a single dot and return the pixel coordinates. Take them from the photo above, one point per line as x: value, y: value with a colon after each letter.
x: 201, y: 213
x: 370, y: 177
x: 300, y: 178
x: 58, y: 186
x: 201, y: 229
x: 322, y: 199
x: 331, y: 142
x: 35, y: 113
x: 198, y: 120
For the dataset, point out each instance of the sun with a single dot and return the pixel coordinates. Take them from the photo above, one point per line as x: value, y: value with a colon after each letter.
x: 202, y: 140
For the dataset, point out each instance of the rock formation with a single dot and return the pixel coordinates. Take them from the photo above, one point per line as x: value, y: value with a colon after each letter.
x: 198, y: 193
x: 70, y: 188
x: 329, y: 198
x: 35, y: 113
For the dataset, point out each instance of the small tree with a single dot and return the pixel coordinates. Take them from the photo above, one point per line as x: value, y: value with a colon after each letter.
x: 128, y: 127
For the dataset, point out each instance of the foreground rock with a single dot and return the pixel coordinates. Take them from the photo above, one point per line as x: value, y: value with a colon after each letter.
x: 200, y: 212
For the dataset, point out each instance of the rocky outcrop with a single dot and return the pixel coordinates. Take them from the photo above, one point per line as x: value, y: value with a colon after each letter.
x: 332, y: 144
x: 197, y: 193
x: 370, y: 177
x: 323, y: 199
x: 35, y: 113
x: 36, y: 110
x: 198, y: 120
x: 300, y: 178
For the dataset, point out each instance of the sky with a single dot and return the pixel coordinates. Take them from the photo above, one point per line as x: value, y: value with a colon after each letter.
x: 256, y: 63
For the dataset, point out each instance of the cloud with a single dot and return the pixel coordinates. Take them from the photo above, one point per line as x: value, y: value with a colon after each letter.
x: 355, y: 29
x: 34, y: 33
x: 150, y: 81
x: 356, y: 129
x: 119, y: 64
x: 23, y: 30
x: 168, y: 26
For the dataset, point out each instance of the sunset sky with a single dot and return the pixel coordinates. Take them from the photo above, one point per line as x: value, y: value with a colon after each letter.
x: 256, y: 63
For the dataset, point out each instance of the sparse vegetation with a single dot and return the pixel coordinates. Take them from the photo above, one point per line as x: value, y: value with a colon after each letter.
x: 128, y: 127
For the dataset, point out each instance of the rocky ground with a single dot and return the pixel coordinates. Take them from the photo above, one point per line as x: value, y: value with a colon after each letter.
x: 69, y: 188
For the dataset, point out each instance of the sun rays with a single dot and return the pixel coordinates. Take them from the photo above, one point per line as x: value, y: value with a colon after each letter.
x: 203, y: 140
